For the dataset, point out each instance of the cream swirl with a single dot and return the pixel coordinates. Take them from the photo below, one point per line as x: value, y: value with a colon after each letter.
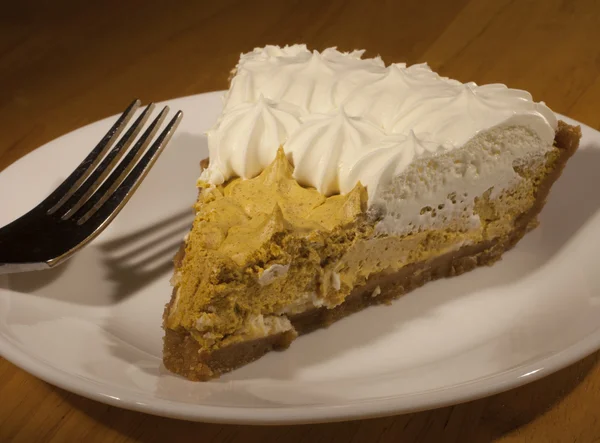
x: 318, y: 82
x: 325, y: 147
x: 246, y: 139
x: 386, y: 158
x: 381, y: 100
x: 243, y: 85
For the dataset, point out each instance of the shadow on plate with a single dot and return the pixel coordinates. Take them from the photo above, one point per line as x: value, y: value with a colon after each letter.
x: 573, y: 200
x: 136, y: 260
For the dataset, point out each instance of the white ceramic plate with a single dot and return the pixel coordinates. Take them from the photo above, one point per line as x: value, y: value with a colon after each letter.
x: 93, y: 326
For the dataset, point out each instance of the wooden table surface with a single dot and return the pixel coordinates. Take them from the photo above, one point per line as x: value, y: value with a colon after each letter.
x: 64, y: 64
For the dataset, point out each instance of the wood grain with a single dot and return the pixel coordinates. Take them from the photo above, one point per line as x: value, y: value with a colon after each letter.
x: 64, y: 64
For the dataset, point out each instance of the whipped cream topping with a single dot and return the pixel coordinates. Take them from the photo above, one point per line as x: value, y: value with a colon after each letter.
x: 342, y: 118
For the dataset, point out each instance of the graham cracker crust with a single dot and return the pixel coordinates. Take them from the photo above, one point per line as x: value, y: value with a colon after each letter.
x: 183, y: 355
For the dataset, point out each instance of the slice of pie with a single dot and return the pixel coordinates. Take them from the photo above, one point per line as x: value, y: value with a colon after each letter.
x: 334, y: 183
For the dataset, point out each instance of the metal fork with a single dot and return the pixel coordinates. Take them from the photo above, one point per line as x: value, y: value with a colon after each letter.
x: 89, y: 199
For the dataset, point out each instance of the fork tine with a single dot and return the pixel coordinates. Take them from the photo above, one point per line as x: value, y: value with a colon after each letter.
x: 123, y: 173
x: 73, y: 181
x: 111, y: 203
x: 98, y: 175
x: 123, y: 168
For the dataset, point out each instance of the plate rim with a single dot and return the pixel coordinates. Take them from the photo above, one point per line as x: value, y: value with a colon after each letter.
x: 353, y: 410
x: 350, y: 410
